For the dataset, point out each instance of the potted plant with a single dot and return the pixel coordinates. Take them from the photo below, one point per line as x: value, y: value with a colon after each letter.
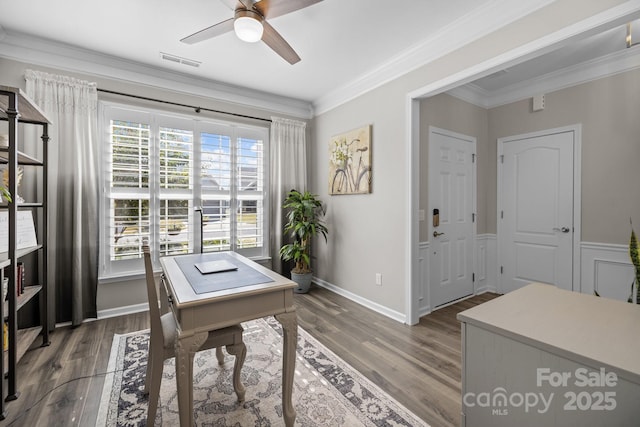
x: 634, y: 254
x: 304, y: 221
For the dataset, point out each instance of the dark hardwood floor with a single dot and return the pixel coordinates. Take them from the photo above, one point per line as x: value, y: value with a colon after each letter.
x: 419, y: 365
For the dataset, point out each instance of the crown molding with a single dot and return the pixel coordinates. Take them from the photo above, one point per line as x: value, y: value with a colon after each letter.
x: 38, y: 51
x: 605, y: 66
x: 472, y: 26
x: 615, y: 16
x: 472, y: 94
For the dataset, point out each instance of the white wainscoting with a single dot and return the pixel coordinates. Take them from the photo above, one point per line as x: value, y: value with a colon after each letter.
x: 486, y: 263
x: 424, y: 306
x: 485, y: 268
x: 607, y: 269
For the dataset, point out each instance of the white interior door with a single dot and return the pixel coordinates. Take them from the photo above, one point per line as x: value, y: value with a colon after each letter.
x: 452, y: 193
x: 536, y: 219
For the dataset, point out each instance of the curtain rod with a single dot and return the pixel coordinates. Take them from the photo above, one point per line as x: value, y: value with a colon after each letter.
x: 196, y: 109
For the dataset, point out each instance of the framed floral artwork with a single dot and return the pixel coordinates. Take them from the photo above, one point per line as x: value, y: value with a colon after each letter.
x: 350, y: 162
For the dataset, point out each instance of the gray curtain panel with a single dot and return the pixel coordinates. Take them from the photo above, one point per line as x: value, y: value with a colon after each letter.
x: 71, y: 105
x: 288, y: 170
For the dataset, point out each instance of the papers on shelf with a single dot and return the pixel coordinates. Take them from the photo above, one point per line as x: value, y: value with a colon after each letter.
x: 26, y: 232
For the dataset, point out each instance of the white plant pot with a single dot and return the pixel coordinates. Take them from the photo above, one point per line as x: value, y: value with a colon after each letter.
x: 303, y: 281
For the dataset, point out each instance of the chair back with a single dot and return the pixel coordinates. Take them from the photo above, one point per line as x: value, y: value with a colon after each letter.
x: 152, y: 295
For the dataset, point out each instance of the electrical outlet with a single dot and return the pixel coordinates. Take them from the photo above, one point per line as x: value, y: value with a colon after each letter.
x: 379, y: 279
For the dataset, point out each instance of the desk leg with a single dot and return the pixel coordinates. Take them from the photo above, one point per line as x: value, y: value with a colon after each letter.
x: 289, y: 323
x: 185, y: 349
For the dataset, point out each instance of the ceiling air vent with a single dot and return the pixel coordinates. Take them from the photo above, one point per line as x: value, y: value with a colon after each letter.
x: 179, y: 60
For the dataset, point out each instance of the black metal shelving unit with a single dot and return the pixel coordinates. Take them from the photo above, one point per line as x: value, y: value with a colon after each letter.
x: 17, y: 108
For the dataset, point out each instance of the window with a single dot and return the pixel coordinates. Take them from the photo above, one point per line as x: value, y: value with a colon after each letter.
x: 182, y: 184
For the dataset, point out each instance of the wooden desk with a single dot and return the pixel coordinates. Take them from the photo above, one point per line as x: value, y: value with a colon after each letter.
x: 197, y: 314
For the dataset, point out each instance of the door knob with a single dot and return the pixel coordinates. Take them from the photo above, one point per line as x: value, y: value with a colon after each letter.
x: 563, y: 229
x: 436, y: 234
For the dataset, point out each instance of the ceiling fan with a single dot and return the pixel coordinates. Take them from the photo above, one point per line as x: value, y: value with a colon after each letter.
x: 250, y: 24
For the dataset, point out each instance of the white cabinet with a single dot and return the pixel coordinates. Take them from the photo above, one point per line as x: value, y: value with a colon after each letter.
x: 543, y: 356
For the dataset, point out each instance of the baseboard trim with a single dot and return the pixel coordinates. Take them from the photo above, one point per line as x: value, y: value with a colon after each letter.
x: 378, y: 308
x: 462, y: 299
x: 137, y: 308
x: 424, y: 311
x: 485, y: 289
x: 121, y: 311
x: 111, y: 312
x: 392, y: 314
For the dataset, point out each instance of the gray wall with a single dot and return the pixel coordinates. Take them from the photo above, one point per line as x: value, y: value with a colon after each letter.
x: 609, y: 111
x: 368, y: 233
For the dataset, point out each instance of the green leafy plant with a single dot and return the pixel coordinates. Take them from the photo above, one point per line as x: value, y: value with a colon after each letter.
x: 4, y: 187
x: 635, y: 260
x: 304, y: 221
x: 5, y: 193
x: 634, y: 254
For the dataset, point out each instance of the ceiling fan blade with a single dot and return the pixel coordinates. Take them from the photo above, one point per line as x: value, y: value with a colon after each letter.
x: 237, y: 4
x: 210, y: 32
x: 275, y: 41
x: 273, y: 8
x: 246, y: 3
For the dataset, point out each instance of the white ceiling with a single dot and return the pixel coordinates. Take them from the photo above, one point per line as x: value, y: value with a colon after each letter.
x: 340, y: 41
x: 584, y: 59
x: 337, y: 40
x: 606, y: 43
x: 580, y: 51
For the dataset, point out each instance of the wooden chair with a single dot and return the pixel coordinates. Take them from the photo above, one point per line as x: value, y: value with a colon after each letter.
x: 163, y: 337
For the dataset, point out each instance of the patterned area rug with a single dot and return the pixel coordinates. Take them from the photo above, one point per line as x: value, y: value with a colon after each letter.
x: 326, y: 392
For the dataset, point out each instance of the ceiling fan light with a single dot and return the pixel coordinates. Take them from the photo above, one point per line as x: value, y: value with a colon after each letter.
x: 248, y: 29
